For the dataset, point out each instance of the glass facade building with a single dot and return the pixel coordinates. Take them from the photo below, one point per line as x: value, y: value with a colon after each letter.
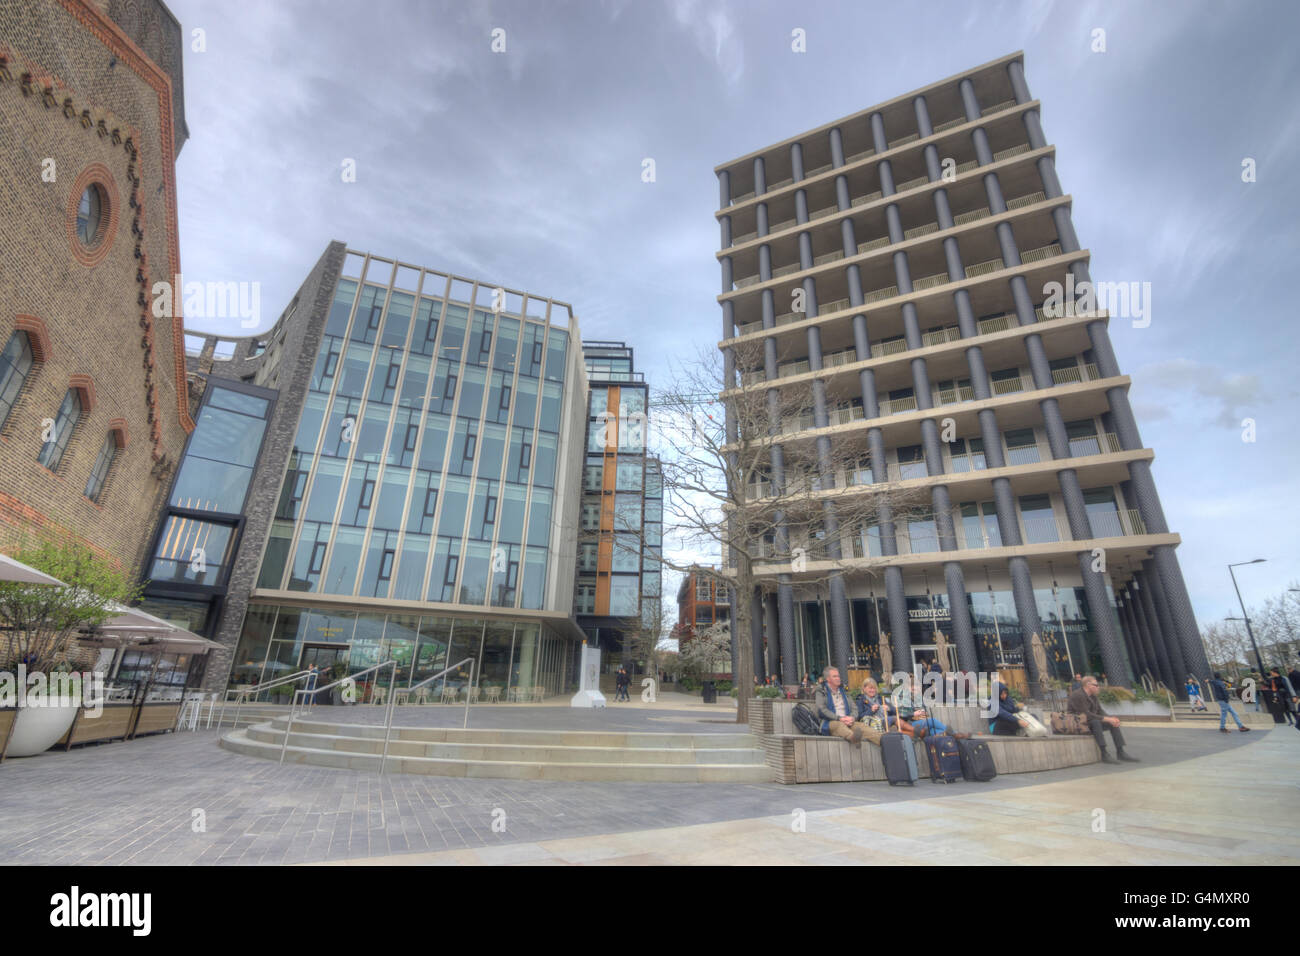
x: 420, y: 500
x: 620, y: 546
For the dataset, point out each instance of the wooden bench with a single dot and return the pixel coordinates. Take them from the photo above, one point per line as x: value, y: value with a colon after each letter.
x: 797, y: 758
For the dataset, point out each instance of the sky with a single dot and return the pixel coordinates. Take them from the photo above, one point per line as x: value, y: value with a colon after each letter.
x: 522, y: 165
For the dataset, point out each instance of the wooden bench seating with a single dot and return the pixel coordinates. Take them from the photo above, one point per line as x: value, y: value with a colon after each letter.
x: 800, y: 759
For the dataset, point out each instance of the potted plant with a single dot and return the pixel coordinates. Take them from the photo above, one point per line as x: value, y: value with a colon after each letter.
x: 39, y: 625
x: 338, y: 671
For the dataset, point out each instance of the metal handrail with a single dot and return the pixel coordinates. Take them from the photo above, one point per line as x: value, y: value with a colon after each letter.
x: 444, y: 672
x: 351, y: 678
x: 242, y: 695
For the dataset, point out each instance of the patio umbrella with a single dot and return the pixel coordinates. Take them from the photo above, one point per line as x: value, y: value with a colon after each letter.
x: 16, y: 571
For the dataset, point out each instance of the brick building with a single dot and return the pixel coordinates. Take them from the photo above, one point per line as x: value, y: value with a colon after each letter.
x: 94, y: 408
x: 701, y: 603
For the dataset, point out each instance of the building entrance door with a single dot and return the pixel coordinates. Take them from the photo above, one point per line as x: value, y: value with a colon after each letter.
x: 324, y: 656
x: 922, y: 654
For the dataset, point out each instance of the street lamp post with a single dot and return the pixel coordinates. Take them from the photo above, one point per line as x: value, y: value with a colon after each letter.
x: 1246, y: 617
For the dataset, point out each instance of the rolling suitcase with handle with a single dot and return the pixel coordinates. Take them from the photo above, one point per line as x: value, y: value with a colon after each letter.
x: 976, y: 760
x: 898, y: 751
x: 944, y: 758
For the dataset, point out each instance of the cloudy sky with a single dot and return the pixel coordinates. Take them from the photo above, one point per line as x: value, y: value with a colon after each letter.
x: 524, y: 167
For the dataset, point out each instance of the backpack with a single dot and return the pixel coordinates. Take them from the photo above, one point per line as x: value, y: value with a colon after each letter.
x: 1070, y: 724
x: 805, y: 721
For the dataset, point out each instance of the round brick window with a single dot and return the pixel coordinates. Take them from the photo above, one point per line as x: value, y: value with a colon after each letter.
x: 92, y: 214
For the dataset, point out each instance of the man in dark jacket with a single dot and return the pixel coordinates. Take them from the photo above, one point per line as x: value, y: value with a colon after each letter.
x: 1219, y: 690
x: 1084, y: 701
x: 835, y: 711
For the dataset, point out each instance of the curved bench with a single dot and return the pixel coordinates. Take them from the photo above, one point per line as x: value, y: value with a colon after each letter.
x: 797, y: 758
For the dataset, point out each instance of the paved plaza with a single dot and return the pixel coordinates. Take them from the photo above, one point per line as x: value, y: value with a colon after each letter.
x: 181, y: 799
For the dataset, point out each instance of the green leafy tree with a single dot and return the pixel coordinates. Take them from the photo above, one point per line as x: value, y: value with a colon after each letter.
x: 39, y: 624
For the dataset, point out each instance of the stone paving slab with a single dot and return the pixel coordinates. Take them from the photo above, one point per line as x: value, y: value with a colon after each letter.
x: 135, y: 802
x: 1186, y: 813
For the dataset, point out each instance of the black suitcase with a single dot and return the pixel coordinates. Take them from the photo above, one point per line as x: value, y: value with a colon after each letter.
x: 976, y: 760
x: 944, y: 758
x: 898, y: 751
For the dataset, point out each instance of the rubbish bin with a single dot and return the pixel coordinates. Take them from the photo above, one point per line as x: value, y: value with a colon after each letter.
x: 709, y: 692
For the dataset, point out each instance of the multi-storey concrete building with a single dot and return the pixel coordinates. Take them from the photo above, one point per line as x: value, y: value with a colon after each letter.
x: 94, y: 406
x: 923, y: 236
x: 392, y: 471
x: 621, y: 545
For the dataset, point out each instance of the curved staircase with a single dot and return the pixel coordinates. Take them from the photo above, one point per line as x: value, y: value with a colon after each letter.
x: 512, y: 754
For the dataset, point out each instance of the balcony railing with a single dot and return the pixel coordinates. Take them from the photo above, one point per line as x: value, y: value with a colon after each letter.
x: 958, y: 393
x: 1116, y: 524
x: 865, y: 154
x: 904, y: 140
x: 924, y: 230
x: 975, y: 214
x: 1010, y: 151
x: 1021, y: 201
x: 930, y: 281
x: 1041, y: 253
x: 938, y: 336
x: 873, y: 244
x: 1074, y: 373
x: 912, y: 184
x: 1023, y: 455
x: 966, y: 463
x: 1005, y: 386
x: 892, y: 347
x: 898, y: 405
x: 997, y: 107
x: 1094, y: 445
x: 983, y: 268
x: 950, y: 124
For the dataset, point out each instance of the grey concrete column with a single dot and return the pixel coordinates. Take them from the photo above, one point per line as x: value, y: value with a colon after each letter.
x: 963, y: 635
x: 1180, y: 611
x: 724, y: 189
x: 1103, y: 622
x: 771, y: 622
x: 724, y: 226
x: 1173, y: 648
x: 1022, y: 592
x: 897, y: 600
x: 1131, y: 638
x: 1145, y: 612
x: 1149, y: 652
x: 785, y: 611
x: 756, y: 635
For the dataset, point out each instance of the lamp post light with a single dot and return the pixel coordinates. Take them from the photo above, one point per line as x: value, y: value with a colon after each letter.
x: 1246, y: 617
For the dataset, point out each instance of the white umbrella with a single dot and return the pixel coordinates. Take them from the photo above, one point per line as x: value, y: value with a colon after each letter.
x: 11, y: 570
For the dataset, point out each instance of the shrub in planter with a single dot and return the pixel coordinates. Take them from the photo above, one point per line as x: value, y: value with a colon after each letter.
x: 723, y: 686
x: 768, y: 692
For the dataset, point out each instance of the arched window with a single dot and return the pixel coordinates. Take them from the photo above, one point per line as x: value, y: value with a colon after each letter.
x: 99, y: 474
x: 15, y: 365
x: 56, y: 442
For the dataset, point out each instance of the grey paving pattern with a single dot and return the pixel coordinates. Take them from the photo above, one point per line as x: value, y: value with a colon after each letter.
x: 135, y: 802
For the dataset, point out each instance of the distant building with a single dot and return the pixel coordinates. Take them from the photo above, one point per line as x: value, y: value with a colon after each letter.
x: 620, y: 547
x: 701, y: 603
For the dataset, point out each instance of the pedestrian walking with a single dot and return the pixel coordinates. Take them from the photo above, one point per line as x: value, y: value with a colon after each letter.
x: 1219, y: 690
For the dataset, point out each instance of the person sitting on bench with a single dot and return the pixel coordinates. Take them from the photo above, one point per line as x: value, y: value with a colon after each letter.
x: 912, y: 710
x: 1084, y: 701
x: 835, y: 710
x: 1007, y: 722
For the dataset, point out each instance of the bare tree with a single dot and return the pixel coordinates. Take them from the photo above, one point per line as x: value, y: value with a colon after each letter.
x: 646, y: 642
x: 706, y: 652
x: 1226, y: 648
x: 745, y: 479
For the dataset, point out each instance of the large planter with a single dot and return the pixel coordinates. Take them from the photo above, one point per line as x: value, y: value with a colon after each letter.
x: 37, y: 729
x: 1136, y: 708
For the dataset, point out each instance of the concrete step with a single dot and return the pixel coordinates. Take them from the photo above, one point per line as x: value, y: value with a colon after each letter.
x: 549, y: 738
x: 326, y: 755
x: 509, y: 752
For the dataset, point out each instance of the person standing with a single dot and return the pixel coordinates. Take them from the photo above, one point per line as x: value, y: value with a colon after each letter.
x: 1221, y: 697
x: 1276, y: 697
